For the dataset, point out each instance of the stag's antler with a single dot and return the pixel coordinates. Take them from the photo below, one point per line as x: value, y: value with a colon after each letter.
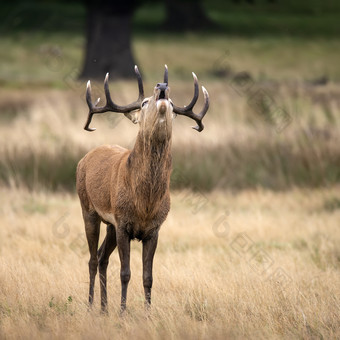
x: 187, y: 110
x: 110, y: 105
x: 166, y: 74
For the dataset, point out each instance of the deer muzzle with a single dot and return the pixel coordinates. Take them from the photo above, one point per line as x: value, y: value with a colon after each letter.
x: 162, y: 98
x: 163, y: 105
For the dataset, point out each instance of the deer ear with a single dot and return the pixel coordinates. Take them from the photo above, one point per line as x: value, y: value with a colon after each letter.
x: 133, y: 116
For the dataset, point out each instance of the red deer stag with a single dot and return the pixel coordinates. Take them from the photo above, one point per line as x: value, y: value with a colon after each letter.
x: 129, y: 189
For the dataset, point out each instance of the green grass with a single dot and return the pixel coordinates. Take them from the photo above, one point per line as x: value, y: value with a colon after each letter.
x: 267, y: 23
x: 42, y: 45
x: 54, y: 60
x: 37, y: 170
x: 274, y: 166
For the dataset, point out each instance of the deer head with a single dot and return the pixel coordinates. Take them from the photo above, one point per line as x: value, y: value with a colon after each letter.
x: 155, y: 113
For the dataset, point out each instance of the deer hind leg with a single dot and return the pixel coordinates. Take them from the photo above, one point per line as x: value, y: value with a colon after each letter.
x: 92, y: 227
x: 108, y: 246
x: 149, y: 248
x: 123, y: 243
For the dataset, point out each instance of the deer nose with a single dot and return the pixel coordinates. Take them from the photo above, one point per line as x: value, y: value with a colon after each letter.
x: 162, y: 87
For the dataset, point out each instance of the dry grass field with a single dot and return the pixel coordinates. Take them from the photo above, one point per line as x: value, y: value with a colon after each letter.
x: 251, y: 247
x: 255, y: 264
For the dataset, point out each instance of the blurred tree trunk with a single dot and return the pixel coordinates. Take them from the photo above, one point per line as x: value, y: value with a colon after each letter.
x: 108, y: 40
x: 186, y: 15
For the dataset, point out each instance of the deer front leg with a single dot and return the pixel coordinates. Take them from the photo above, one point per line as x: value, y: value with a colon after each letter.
x: 149, y: 248
x: 92, y: 226
x: 123, y: 243
x: 104, y: 252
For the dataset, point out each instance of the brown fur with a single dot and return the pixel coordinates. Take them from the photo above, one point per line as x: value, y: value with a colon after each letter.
x: 129, y: 191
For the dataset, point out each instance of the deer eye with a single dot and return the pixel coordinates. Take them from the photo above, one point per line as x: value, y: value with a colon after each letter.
x: 145, y: 102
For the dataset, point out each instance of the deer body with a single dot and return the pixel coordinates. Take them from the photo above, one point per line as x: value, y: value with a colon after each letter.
x: 129, y: 190
x: 122, y: 175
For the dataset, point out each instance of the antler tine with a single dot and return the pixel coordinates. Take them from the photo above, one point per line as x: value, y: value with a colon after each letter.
x: 166, y: 75
x: 196, y: 93
x: 200, y: 125
x: 110, y: 105
x: 198, y: 117
x: 140, y: 85
x: 189, y: 107
x: 187, y: 110
x: 88, y: 95
x: 91, y: 107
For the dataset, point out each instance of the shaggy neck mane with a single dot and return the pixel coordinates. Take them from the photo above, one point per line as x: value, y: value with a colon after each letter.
x: 149, y: 168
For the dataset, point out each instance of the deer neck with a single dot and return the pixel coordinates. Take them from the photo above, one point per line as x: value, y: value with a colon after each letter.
x: 149, y: 169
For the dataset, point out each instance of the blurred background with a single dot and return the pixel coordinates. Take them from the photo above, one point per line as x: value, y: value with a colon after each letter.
x: 271, y: 68
x: 250, y: 248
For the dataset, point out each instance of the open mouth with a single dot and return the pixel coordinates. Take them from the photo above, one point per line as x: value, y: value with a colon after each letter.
x: 161, y: 95
x: 163, y: 92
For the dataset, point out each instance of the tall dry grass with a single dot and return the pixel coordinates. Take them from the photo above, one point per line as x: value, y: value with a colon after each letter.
x: 255, y: 264
x: 230, y: 263
x: 274, y: 136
